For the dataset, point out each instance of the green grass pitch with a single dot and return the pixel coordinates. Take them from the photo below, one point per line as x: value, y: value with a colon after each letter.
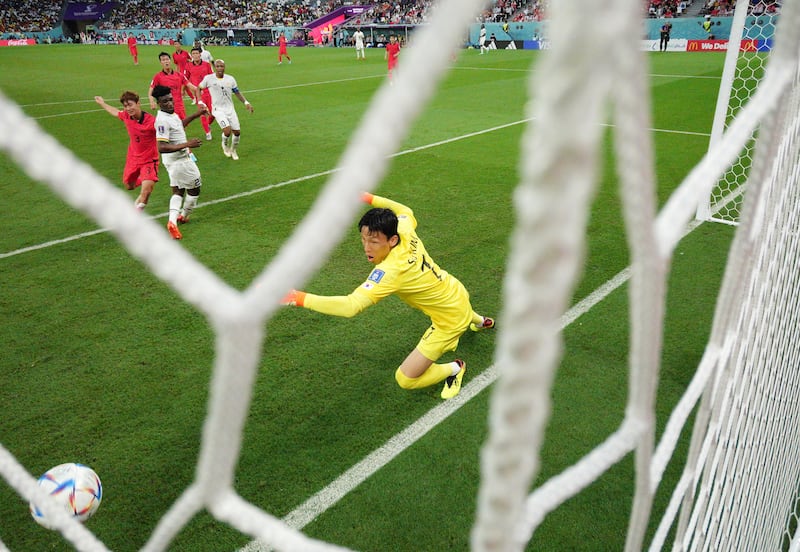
x: 104, y: 365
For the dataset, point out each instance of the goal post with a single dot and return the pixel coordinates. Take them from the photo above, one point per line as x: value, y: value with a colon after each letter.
x: 748, y: 45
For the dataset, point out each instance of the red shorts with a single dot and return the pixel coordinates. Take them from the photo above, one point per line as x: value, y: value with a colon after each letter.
x: 136, y: 173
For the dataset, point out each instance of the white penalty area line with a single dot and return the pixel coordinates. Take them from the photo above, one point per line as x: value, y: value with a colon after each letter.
x: 262, y: 189
x: 317, y: 83
x: 271, y: 89
x: 300, y: 179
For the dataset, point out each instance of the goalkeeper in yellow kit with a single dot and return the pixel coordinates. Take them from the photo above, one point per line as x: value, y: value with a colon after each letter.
x: 404, y: 267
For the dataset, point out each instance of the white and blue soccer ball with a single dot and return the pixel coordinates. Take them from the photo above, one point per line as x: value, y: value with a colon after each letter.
x: 75, y: 486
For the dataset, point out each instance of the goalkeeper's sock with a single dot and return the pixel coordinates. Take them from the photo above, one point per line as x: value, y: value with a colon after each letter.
x: 433, y: 375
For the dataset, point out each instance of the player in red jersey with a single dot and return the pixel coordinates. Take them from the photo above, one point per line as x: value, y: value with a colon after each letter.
x: 282, y: 48
x: 141, y: 164
x: 392, y: 52
x: 180, y: 57
x: 172, y: 79
x: 134, y: 50
x: 195, y: 71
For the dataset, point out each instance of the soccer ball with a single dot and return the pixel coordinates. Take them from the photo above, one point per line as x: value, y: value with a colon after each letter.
x: 75, y: 486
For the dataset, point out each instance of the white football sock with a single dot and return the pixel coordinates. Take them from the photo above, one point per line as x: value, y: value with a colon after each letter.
x: 174, y: 208
x: 189, y: 204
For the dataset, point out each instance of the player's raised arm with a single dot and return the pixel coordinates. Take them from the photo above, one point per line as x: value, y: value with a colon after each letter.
x: 102, y: 103
x: 386, y: 203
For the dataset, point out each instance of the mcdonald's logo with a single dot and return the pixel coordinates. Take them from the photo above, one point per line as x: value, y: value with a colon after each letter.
x: 749, y: 45
x: 692, y: 46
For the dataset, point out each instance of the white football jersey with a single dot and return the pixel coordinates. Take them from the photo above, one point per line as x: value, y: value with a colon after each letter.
x: 169, y: 128
x: 222, y: 90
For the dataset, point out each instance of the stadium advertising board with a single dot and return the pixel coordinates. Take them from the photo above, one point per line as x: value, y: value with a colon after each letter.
x: 747, y: 45
x: 18, y: 42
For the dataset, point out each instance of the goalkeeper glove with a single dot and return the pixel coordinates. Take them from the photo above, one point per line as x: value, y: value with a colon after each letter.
x: 294, y: 298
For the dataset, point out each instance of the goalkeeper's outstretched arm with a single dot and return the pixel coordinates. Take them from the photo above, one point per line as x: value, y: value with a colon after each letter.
x: 342, y: 305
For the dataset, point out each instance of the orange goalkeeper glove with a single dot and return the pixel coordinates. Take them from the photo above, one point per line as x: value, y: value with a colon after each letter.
x: 294, y: 298
x: 366, y: 197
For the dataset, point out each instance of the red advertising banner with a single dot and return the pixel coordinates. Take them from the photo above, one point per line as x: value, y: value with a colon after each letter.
x: 747, y: 45
x: 706, y: 45
x: 18, y: 42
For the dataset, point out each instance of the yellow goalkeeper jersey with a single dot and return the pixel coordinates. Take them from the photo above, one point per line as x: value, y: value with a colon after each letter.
x: 409, y: 272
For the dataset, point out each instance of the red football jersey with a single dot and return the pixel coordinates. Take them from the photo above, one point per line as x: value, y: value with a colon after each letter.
x: 174, y: 81
x: 181, y: 59
x: 195, y: 73
x: 142, y: 146
x: 392, y: 51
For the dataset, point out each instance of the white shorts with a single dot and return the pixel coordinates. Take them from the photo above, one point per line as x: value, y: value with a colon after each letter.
x: 183, y: 173
x: 226, y: 118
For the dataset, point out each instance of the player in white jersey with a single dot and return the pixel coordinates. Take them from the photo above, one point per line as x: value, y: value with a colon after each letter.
x: 175, y: 149
x: 482, y: 40
x: 205, y: 55
x: 223, y: 88
x: 358, y: 36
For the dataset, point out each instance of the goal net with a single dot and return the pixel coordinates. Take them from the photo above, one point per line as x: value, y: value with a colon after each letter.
x: 746, y: 58
x: 739, y: 486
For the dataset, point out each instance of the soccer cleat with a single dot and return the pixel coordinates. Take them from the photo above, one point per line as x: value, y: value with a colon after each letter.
x: 234, y: 155
x: 208, y: 136
x: 488, y: 324
x: 173, y: 230
x: 226, y: 150
x: 452, y: 385
x: 182, y: 219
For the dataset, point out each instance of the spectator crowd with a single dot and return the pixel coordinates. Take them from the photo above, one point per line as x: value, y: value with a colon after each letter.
x: 17, y: 16
x: 20, y: 16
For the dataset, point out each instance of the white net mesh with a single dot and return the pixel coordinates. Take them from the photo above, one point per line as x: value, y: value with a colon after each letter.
x: 746, y: 59
x: 739, y: 487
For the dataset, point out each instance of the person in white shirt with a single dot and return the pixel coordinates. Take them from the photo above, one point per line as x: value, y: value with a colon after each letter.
x: 176, y: 154
x: 358, y: 37
x: 205, y: 55
x: 223, y: 88
x: 482, y: 40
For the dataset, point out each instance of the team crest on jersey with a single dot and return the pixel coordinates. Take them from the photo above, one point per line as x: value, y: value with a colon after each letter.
x: 376, y: 276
